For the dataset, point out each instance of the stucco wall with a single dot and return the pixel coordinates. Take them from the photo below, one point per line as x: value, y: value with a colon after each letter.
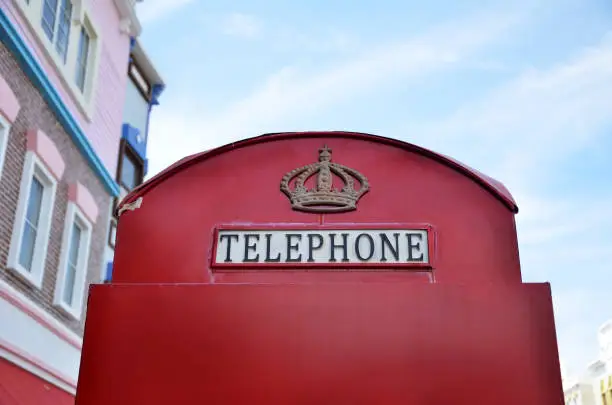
x: 104, y: 127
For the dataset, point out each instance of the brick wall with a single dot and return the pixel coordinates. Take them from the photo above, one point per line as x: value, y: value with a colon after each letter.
x: 35, y: 113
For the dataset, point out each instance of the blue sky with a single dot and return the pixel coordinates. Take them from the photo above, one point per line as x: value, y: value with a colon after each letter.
x: 520, y: 90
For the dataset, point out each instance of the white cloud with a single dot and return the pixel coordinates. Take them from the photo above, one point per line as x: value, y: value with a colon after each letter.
x: 291, y: 92
x: 525, y: 131
x: 151, y: 10
x: 535, y: 120
x: 242, y: 25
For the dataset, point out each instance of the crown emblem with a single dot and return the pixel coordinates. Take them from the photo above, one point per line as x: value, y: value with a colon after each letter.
x: 322, y: 196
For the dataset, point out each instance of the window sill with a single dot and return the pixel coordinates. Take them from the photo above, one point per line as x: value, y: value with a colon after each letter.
x: 25, y: 275
x: 73, y: 313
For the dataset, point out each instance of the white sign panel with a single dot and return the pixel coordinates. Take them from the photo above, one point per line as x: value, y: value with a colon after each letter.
x: 321, y: 247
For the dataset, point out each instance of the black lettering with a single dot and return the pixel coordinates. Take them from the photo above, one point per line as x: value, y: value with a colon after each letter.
x: 358, y: 252
x: 311, y: 246
x: 295, y: 247
x: 386, y: 242
x: 248, y: 247
x: 335, y: 246
x: 228, y: 236
x: 411, y: 246
x: 268, y: 258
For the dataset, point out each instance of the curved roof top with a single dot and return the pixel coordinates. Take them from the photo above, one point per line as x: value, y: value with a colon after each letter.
x: 497, y: 189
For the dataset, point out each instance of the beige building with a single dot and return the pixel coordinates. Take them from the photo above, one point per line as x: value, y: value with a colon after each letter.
x: 594, y: 385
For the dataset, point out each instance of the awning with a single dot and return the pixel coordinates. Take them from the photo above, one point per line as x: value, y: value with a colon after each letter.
x: 20, y: 387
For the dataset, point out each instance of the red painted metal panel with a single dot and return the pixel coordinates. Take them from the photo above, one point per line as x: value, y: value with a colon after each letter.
x: 373, y: 343
x: 495, y: 187
x: 474, y: 228
x: 20, y: 387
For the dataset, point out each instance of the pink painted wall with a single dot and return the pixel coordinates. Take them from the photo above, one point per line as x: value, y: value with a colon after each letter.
x: 104, y: 129
x: 47, y: 151
x: 9, y: 105
x: 81, y: 196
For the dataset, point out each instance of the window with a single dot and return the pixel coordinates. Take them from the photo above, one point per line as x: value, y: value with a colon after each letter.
x: 48, y: 17
x: 5, y: 128
x: 74, y: 258
x: 31, y: 223
x: 66, y: 32
x: 55, y: 22
x: 131, y: 170
x: 136, y: 108
x: 28, y: 251
x: 63, y: 30
x: 82, y: 57
x: 139, y: 80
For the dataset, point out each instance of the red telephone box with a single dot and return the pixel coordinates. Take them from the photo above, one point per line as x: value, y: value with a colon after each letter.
x: 319, y: 268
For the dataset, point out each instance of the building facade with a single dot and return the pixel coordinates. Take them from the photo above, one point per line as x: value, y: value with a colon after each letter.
x: 64, y: 92
x: 594, y: 385
x: 143, y: 88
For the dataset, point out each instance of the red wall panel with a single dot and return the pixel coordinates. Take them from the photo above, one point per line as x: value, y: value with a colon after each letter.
x: 475, y: 231
x: 462, y: 329
x: 374, y: 343
x: 20, y: 387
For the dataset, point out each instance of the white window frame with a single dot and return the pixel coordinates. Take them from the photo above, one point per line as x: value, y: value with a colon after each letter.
x: 57, y: 25
x: 32, y: 167
x: 5, y: 130
x: 81, y: 17
x: 74, y: 215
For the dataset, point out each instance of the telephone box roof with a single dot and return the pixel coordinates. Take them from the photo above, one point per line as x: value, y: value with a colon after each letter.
x: 496, y: 188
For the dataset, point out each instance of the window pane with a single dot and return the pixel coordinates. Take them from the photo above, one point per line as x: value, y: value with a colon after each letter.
x: 69, y: 287
x: 129, y: 172
x: 48, y: 17
x: 73, y: 256
x: 73, y: 261
x: 30, y: 226
x: 35, y: 201
x: 81, y: 68
x: 139, y: 79
x: 63, y: 30
x: 28, y: 241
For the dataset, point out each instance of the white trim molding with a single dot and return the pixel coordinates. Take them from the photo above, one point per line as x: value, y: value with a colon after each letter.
x: 73, y: 264
x: 37, y: 342
x: 145, y: 63
x: 5, y: 129
x: 26, y: 305
x: 33, y: 169
x: 36, y: 367
x: 81, y: 18
x: 129, y: 24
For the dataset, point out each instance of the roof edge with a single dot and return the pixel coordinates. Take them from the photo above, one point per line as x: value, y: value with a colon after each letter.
x: 496, y: 188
